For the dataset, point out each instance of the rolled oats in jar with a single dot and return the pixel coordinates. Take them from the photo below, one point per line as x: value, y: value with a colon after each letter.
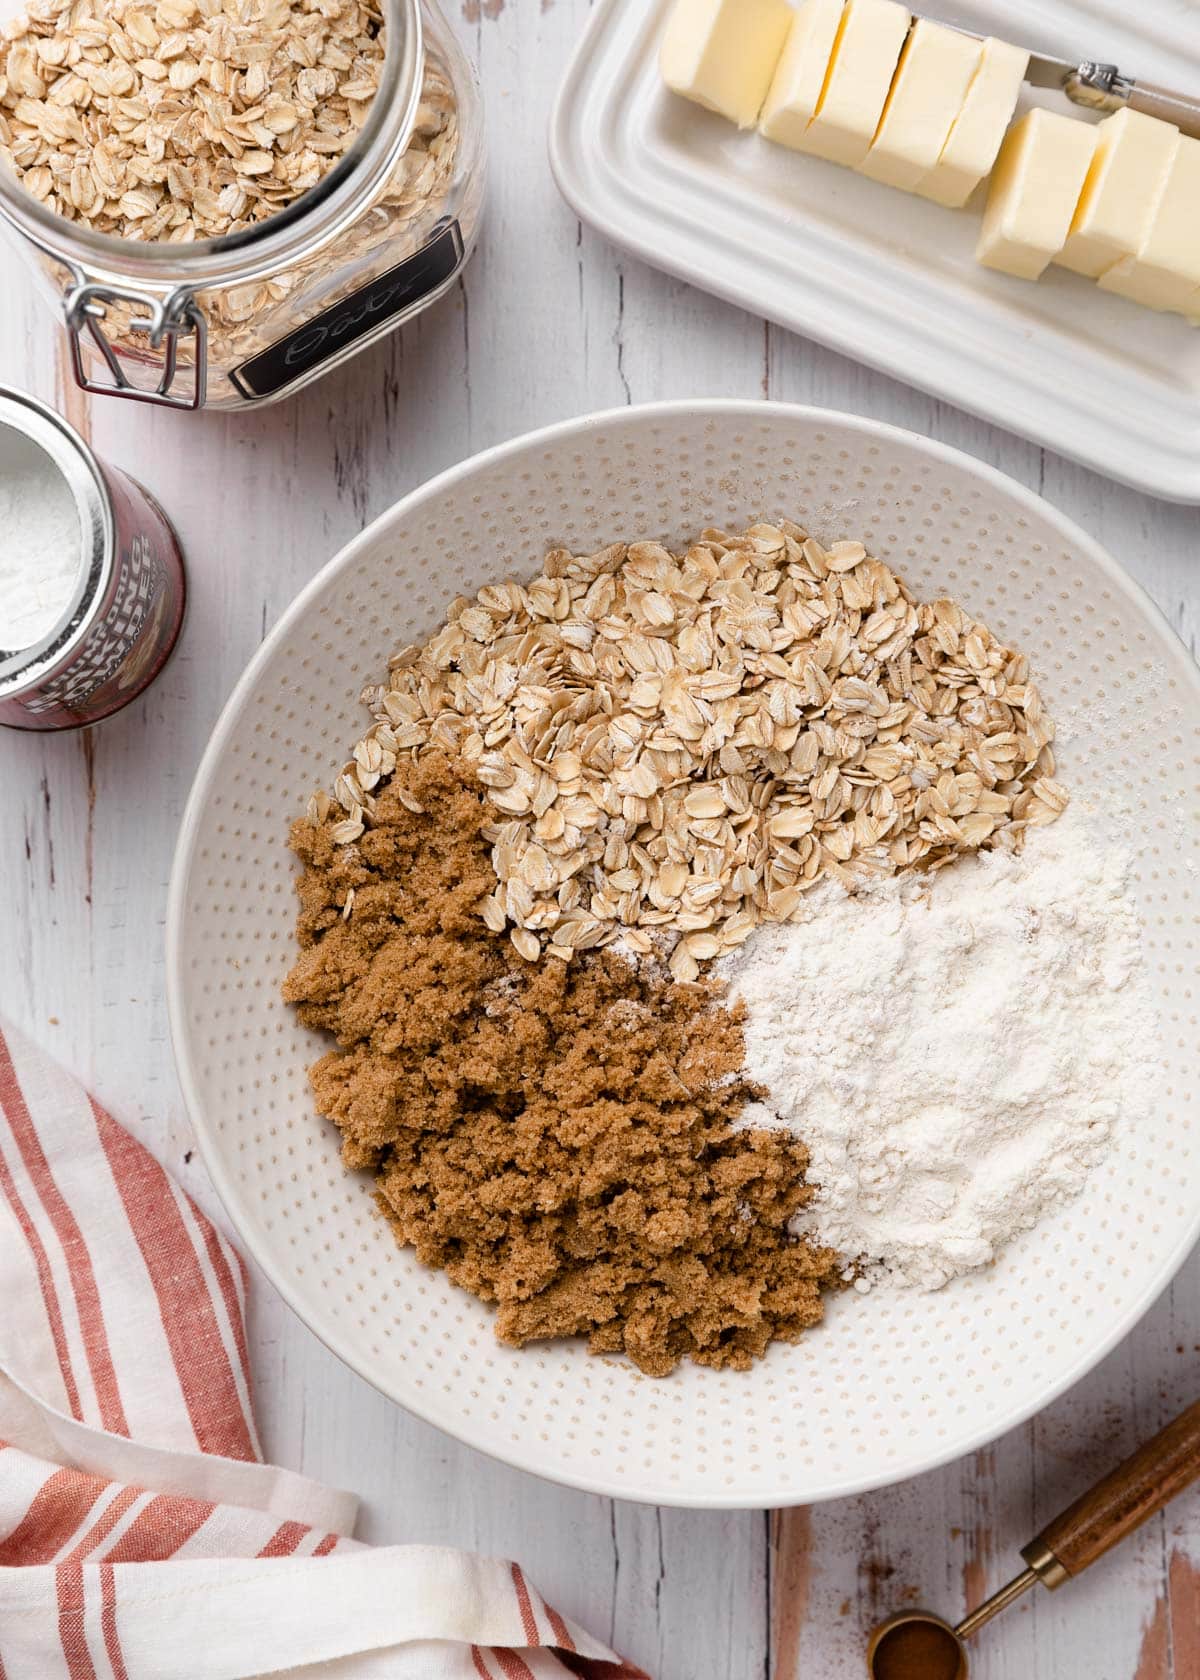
x: 230, y: 197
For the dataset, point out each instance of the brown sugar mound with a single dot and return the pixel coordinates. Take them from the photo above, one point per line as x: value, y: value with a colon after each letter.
x: 557, y: 1138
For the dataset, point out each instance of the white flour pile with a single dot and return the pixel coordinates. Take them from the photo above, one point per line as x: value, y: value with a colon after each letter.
x: 954, y: 1051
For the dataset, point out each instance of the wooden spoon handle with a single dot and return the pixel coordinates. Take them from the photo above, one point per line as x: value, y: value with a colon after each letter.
x: 1121, y: 1502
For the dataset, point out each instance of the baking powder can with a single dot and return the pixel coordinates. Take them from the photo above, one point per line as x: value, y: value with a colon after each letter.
x: 91, y: 577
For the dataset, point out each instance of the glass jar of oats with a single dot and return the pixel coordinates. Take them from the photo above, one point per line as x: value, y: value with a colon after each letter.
x: 230, y: 197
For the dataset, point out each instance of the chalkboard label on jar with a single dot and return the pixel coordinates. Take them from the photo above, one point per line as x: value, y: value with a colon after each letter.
x: 351, y: 318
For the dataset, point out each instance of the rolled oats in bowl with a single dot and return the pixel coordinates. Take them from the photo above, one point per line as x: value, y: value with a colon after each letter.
x: 676, y: 747
x: 231, y: 196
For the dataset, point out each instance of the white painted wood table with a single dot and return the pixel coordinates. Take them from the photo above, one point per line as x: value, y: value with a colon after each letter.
x: 550, y: 321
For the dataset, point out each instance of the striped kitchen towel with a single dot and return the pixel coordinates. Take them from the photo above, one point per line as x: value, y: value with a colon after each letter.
x: 141, y: 1536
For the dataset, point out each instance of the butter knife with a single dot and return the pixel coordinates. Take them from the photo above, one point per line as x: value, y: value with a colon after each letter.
x: 1102, y: 87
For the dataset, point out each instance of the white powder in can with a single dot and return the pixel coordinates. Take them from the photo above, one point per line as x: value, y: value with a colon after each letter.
x: 956, y: 1051
x: 40, y: 542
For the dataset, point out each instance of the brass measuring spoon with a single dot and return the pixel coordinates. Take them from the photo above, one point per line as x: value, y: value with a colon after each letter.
x: 917, y: 1645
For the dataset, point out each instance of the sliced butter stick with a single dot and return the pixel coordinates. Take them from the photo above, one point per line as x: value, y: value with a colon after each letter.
x: 1126, y: 179
x: 1165, y: 273
x: 722, y: 53
x: 1035, y: 188
x: 865, y: 52
x: 795, y: 92
x: 936, y: 67
x: 978, y: 130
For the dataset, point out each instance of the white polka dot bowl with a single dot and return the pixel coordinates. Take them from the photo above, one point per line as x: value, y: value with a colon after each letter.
x: 892, y: 1383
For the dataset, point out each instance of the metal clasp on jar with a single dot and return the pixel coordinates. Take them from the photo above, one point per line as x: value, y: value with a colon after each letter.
x: 165, y: 322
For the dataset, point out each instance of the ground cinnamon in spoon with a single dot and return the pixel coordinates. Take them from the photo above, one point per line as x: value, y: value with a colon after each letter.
x: 558, y: 1138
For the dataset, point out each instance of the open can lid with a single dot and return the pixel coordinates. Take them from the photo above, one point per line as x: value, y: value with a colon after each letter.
x: 55, y: 550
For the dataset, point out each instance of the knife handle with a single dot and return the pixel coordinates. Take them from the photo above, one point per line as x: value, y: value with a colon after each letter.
x: 1101, y: 87
x: 1166, y: 106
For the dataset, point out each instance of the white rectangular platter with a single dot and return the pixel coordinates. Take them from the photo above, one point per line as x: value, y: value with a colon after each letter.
x: 884, y: 276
